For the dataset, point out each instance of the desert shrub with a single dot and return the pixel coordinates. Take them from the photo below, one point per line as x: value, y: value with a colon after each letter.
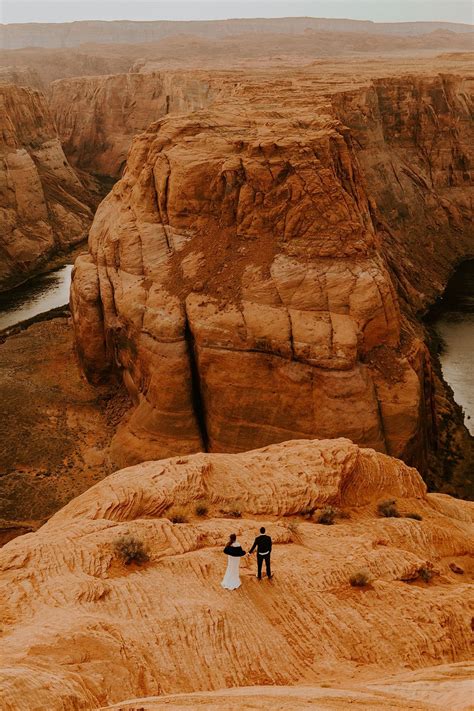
x: 131, y: 550
x: 234, y: 513
x: 201, y: 509
x: 360, y: 579
x: 415, y: 516
x: 388, y: 509
x: 327, y: 516
x: 178, y: 517
x: 343, y: 514
x: 425, y: 573
x: 307, y: 512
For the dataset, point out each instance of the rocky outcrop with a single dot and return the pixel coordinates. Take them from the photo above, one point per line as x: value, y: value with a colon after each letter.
x: 241, y: 278
x: 414, y: 139
x: 44, y: 206
x: 82, y: 630
x: 415, y: 145
x: 97, y: 117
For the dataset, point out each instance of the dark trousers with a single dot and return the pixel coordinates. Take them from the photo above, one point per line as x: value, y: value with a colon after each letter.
x: 260, y: 559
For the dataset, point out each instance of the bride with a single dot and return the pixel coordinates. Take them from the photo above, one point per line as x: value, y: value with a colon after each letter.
x: 234, y: 553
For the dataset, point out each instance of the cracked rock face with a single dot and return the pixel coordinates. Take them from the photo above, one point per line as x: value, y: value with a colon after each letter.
x: 43, y: 205
x: 238, y: 279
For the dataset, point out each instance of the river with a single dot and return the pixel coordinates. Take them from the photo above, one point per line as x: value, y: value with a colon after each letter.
x: 37, y: 296
x: 454, y: 324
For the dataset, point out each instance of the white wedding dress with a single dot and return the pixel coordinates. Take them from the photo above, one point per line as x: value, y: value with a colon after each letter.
x: 231, y: 580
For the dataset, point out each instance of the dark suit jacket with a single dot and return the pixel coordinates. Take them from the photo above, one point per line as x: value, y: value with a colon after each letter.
x: 262, y: 543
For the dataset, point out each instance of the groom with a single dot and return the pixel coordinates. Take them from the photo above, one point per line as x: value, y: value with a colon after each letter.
x: 263, y: 544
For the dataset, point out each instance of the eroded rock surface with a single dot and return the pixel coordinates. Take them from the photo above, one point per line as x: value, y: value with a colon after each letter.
x: 44, y: 206
x: 97, y: 117
x: 55, y: 428
x: 82, y: 630
x: 243, y: 273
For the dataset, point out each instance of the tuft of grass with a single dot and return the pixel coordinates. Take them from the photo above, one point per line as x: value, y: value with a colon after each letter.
x: 327, y: 516
x: 425, y: 573
x: 201, y: 509
x: 307, y: 512
x: 360, y: 579
x: 388, y: 509
x: 415, y: 516
x: 234, y: 513
x: 178, y: 515
x: 131, y: 550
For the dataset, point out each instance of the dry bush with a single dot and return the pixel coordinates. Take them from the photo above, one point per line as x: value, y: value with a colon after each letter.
x: 234, y: 513
x: 307, y: 512
x: 360, y: 579
x: 415, y: 516
x: 388, y: 509
x: 327, y: 516
x: 425, y: 573
x: 201, y: 509
x: 131, y: 550
x: 177, y: 516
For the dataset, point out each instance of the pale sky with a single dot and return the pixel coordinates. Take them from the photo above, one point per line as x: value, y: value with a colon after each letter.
x: 377, y: 10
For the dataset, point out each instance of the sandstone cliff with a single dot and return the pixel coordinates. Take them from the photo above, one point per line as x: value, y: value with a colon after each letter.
x: 242, y: 280
x: 44, y: 206
x: 415, y: 145
x: 82, y: 630
x: 71, y: 34
x: 97, y: 117
x: 414, y: 142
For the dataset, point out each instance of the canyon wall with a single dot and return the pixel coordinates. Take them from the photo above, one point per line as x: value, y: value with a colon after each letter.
x: 44, y: 207
x: 97, y: 117
x: 414, y: 138
x: 240, y: 276
x: 71, y: 34
x: 80, y: 629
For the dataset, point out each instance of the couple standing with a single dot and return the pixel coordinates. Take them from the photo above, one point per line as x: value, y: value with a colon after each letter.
x: 234, y: 553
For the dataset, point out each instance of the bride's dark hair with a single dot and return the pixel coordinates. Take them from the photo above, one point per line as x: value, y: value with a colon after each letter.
x: 232, y: 539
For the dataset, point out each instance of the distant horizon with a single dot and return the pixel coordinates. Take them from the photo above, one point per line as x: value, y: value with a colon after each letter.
x: 232, y: 19
x: 374, y: 11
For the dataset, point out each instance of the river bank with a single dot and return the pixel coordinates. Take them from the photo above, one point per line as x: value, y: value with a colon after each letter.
x: 452, y: 320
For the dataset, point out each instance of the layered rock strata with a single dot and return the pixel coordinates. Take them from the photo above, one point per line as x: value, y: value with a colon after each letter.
x: 98, y: 116
x: 82, y: 630
x: 242, y: 274
x: 43, y: 205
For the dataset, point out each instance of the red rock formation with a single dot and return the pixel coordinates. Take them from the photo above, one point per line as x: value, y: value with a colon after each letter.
x: 97, y: 117
x: 415, y: 146
x: 43, y: 204
x: 82, y: 630
x: 238, y: 278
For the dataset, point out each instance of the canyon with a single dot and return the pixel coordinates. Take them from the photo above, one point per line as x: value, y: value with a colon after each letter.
x: 82, y: 630
x: 256, y: 275
x: 271, y: 207
x: 44, y: 206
